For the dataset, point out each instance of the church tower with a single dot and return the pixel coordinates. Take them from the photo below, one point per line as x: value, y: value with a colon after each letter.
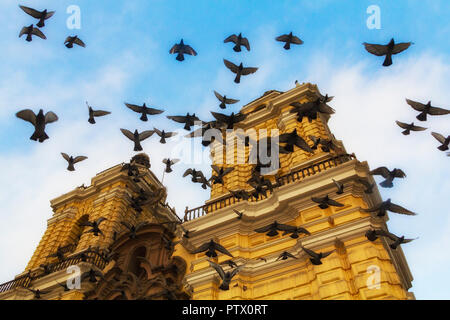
x: 356, y: 269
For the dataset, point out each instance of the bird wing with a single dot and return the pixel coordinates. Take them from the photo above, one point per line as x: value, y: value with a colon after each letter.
x: 202, y: 248
x: 237, y: 212
x: 233, y: 38
x: 154, y: 111
x: 222, y: 249
x: 326, y: 254
x: 128, y: 134
x: 399, y: 209
x: 134, y: 107
x: 282, y: 38
x: 32, y: 12
x: 337, y: 184
x: 230, y: 101
x: 235, y: 271
x: 79, y: 42
x: 158, y: 132
x: 290, y: 255
x: 50, y: 117
x: 173, y: 161
x: 365, y: 183
x: 402, y: 124
x: 220, y: 116
x: 381, y: 171
x: 145, y: 134
x: 227, y: 171
x: 310, y: 252
x: 49, y: 15
x: 68, y: 39
x: 23, y: 31
x: 263, y: 229
x: 296, y: 40
x: 303, y: 230
x: 27, y: 115
x: 171, y: 134
x: 189, y: 50
x: 418, y: 128
x: 376, y: 49
x: 318, y: 199
x: 79, y: 158
x: 301, y: 143
x: 179, y: 119
x: 218, y: 268
x: 196, y: 133
x: 65, y: 156
x: 399, y: 47
x: 188, y: 172
x: 332, y: 202
x: 439, y: 137
x: 99, y: 113
x: 416, y: 105
x: 218, y: 96
x: 215, y: 168
x: 245, y: 43
x: 285, y: 227
x: 100, y: 220
x: 248, y: 70
x: 38, y: 33
x: 230, y: 65
x: 398, y: 173
x: 435, y: 111
x: 174, y: 49
x: 383, y: 233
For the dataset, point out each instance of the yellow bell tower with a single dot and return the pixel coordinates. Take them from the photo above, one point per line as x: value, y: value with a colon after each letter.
x: 357, y: 268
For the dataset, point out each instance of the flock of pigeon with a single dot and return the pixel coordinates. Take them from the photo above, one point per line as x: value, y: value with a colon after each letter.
x: 289, y: 141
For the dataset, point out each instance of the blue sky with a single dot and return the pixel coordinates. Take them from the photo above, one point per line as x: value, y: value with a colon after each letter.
x: 127, y: 59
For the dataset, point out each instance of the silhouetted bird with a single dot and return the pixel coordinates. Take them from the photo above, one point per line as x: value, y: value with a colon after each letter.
x: 310, y: 109
x: 387, y: 205
x: 92, y: 275
x: 188, y: 120
x: 339, y: 186
x: 239, y: 70
x: 211, y: 247
x: 272, y: 229
x: 229, y: 263
x: 230, y: 120
x: 221, y: 173
x: 133, y: 229
x: 197, y: 177
x: 39, y: 122
x: 137, y: 137
x: 239, y: 41
x: 225, y: 276
x: 143, y: 110
x: 210, y: 132
x: 182, y: 49
x: 443, y: 140
x: 164, y: 135
x: 169, y: 163
x: 239, y: 214
x: 224, y: 100
x: 95, y: 113
x: 294, y: 234
x: 373, y: 235
x: 325, y: 202
x: 285, y: 255
x: 368, y: 186
x: 388, y: 175
x: 387, y: 50
x: 71, y: 160
x: 95, y: 226
x: 293, y: 139
x: 70, y: 41
x: 30, y: 31
x: 426, y: 109
x: 58, y: 254
x: 240, y: 194
x: 325, y: 144
x: 409, y: 127
x: 289, y: 39
x: 316, y: 258
x: 41, y: 15
x: 37, y: 293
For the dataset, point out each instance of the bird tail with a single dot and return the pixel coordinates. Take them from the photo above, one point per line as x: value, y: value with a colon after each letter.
x: 137, y: 146
x: 238, y: 78
x: 41, y: 23
x: 222, y: 105
x: 91, y: 120
x: 386, y: 184
x: 180, y: 57
x: 443, y: 147
x: 70, y: 167
x: 287, y: 46
x: 224, y: 287
x: 144, y: 117
x: 323, y: 206
x: 237, y: 48
x: 422, y: 116
x: 406, y: 132
x: 163, y: 140
x: 169, y: 170
x: 29, y: 38
x: 388, y: 61
x: 69, y: 45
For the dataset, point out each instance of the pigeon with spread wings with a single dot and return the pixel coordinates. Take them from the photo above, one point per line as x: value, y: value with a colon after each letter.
x: 169, y: 163
x: 39, y: 122
x: 70, y: 41
x: 230, y: 120
x: 220, y: 174
x: 285, y: 255
x: 272, y: 229
x: 426, y: 109
x: 409, y: 127
x: 443, y: 140
x: 386, y: 50
x: 71, y: 160
x: 133, y: 229
x: 143, y: 110
x: 210, y: 132
x: 312, y: 108
x: 387, y: 205
x: 40, y: 15
x: 164, y: 135
x: 30, y: 31
x: 95, y: 225
x: 368, y: 186
x: 295, y: 233
x: 325, y: 202
x: 388, y: 175
x: 225, y: 276
x: 224, y: 100
x: 211, y: 247
x: 293, y: 139
x: 239, y: 70
x: 289, y: 39
x: 181, y: 49
x: 95, y: 113
x: 137, y: 137
x: 315, y: 257
x: 239, y: 41
x: 188, y: 120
